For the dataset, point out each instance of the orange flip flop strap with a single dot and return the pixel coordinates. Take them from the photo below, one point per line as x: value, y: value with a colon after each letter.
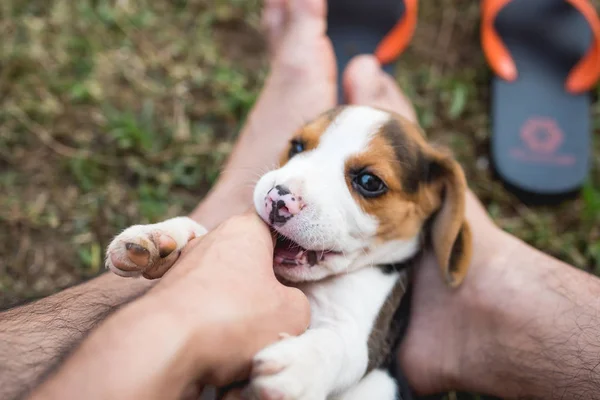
x: 396, y: 41
x: 495, y: 51
x: 583, y: 75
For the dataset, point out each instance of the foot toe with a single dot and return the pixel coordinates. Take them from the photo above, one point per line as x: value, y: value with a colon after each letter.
x: 365, y: 83
x: 273, y: 21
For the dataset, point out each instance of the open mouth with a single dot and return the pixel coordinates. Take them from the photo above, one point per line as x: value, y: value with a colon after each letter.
x: 290, y: 254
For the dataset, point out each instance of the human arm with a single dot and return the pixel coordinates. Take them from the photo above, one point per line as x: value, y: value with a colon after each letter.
x: 523, y: 325
x: 204, y: 320
x: 35, y: 337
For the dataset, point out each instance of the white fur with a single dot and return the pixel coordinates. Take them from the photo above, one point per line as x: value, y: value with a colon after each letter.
x: 331, y: 219
x: 332, y: 356
x: 345, y: 292
x: 178, y: 228
x: 376, y: 385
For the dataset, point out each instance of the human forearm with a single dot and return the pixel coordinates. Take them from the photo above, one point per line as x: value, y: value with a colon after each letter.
x: 540, y: 336
x: 129, y: 358
x: 202, y: 323
x: 36, y: 336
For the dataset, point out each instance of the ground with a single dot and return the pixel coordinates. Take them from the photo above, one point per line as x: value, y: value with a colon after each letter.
x: 120, y: 112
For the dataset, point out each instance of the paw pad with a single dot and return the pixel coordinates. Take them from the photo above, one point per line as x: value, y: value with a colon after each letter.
x: 150, y: 250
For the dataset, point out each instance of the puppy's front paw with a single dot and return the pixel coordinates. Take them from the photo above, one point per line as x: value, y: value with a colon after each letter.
x: 150, y: 250
x: 288, y: 370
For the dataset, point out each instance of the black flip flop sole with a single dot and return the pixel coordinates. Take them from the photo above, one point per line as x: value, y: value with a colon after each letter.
x: 357, y: 27
x: 540, y: 132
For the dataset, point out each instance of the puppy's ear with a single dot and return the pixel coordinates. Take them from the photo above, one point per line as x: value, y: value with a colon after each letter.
x: 450, y: 232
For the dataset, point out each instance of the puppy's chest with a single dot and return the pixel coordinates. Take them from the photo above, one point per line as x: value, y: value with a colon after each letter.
x: 362, y: 302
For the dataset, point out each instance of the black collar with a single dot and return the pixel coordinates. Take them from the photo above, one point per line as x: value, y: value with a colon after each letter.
x: 402, y: 265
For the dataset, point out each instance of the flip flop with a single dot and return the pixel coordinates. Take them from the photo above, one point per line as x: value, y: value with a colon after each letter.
x: 545, y: 55
x: 380, y: 27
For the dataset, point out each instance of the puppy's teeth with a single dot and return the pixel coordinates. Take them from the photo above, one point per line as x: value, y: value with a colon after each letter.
x: 311, y: 256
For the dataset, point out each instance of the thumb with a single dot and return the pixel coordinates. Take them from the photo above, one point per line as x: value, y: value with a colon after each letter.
x: 299, y: 307
x: 251, y: 215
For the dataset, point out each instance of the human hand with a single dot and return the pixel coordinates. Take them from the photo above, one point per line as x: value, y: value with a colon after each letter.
x: 203, y: 322
x: 242, y: 306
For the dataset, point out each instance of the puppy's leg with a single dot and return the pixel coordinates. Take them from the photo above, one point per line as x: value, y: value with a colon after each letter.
x: 333, y: 355
x: 306, y: 367
x: 150, y: 250
x: 378, y: 384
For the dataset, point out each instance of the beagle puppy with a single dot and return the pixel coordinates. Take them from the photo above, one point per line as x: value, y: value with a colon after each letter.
x: 358, y: 194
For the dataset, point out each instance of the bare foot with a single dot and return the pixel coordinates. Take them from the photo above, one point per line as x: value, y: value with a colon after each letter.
x: 432, y: 349
x: 301, y: 85
x: 365, y: 83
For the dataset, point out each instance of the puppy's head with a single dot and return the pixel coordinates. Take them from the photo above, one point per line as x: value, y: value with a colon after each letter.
x: 357, y: 187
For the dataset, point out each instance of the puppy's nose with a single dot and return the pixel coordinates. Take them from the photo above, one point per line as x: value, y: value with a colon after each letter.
x: 282, y: 204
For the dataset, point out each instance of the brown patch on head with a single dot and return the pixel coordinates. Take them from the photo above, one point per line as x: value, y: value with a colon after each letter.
x: 309, y: 135
x: 394, y: 155
x: 398, y: 216
x: 423, y: 184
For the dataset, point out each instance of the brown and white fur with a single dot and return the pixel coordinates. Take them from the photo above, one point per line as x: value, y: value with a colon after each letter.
x: 351, y: 242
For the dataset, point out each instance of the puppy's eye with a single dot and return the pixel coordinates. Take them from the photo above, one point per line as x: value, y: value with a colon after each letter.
x: 297, y: 146
x: 369, y: 185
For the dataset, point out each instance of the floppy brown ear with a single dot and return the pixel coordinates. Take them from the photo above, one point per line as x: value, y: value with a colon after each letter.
x: 450, y: 233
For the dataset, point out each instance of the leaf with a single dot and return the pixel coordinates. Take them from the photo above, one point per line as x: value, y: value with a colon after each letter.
x: 459, y: 101
x: 591, y: 202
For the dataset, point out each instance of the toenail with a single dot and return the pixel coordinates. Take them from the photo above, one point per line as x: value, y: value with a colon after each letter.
x: 135, y: 248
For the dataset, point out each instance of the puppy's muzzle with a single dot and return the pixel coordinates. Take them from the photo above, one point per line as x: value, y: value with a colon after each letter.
x: 282, y: 204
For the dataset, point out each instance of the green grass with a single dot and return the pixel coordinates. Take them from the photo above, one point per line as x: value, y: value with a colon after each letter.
x: 113, y: 113
x: 121, y: 112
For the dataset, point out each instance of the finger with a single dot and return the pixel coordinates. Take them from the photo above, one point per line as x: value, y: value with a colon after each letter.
x: 298, y: 308
x: 251, y: 220
x: 250, y: 212
x: 247, y: 233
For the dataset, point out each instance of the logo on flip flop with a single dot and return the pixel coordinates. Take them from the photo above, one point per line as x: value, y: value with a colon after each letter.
x: 542, y: 135
x: 542, y: 138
